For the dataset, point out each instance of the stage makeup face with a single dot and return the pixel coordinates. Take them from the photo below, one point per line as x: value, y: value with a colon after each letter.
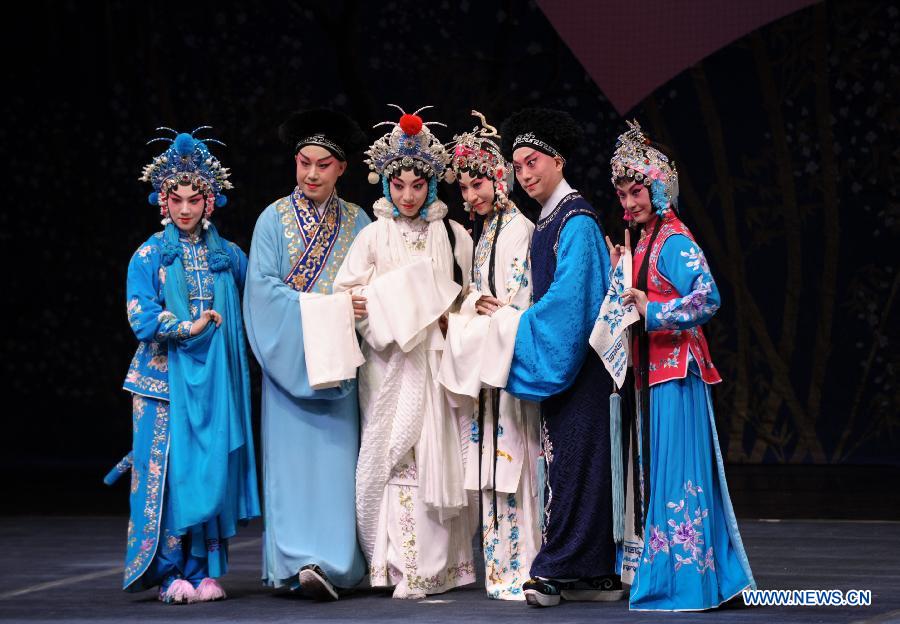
x: 185, y: 205
x: 635, y: 199
x: 318, y: 171
x: 408, y: 192
x: 477, y: 192
x: 537, y: 173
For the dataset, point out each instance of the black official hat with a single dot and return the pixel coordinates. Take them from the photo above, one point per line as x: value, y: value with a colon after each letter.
x: 552, y: 132
x: 334, y: 131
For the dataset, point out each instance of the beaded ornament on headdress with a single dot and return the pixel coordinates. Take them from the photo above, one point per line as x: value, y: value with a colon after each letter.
x: 187, y: 161
x: 636, y: 159
x: 477, y: 151
x: 409, y: 144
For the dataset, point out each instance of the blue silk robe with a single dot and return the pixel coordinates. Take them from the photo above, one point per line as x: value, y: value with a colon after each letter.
x: 158, y: 551
x: 310, y: 438
x: 554, y: 364
x: 693, y: 556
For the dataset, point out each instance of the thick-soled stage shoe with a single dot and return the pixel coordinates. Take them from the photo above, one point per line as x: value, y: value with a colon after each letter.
x: 179, y: 591
x: 209, y: 590
x: 316, y: 585
x: 542, y: 593
x: 596, y: 589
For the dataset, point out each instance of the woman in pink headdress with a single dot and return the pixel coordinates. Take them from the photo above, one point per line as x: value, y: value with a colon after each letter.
x: 503, y: 431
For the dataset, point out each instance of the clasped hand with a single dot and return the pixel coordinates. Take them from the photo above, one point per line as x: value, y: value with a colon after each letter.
x: 206, y: 317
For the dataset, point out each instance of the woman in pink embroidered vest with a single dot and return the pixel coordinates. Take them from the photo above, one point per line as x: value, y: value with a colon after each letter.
x: 692, y: 556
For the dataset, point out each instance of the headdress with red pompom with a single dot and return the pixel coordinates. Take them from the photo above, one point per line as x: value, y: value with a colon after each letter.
x: 478, y: 153
x: 409, y: 144
x: 187, y: 161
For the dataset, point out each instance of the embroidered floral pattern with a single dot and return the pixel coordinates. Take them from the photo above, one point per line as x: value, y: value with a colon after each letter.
x: 682, y: 537
x: 547, y: 454
x: 171, y: 327
x: 407, y: 471
x: 148, y: 371
x: 408, y: 542
x: 144, y: 251
x: 159, y: 362
x: 152, y: 490
x: 344, y: 216
x: 199, y: 280
x: 696, y: 260
x: 138, y: 405
x: 382, y: 574
x: 503, y: 570
x: 464, y: 572
x: 496, y: 223
x: 518, y: 277
x: 138, y: 381
x: 672, y: 320
x: 416, y: 237
x: 172, y: 541
x: 318, y: 236
x: 659, y: 542
x: 474, y: 432
x: 689, y: 310
x: 134, y: 310
x: 616, y: 311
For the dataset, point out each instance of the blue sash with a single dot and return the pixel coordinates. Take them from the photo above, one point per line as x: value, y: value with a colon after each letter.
x: 212, y: 472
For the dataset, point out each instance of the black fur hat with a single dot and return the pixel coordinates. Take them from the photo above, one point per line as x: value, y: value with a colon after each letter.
x: 334, y: 131
x: 552, y: 132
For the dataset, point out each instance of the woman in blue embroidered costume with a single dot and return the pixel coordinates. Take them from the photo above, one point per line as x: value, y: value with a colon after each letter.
x: 412, y: 509
x: 503, y: 431
x: 310, y: 436
x: 553, y: 363
x: 692, y: 557
x: 193, y: 473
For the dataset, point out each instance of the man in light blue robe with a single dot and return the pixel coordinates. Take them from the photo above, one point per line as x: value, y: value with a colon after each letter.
x: 310, y: 438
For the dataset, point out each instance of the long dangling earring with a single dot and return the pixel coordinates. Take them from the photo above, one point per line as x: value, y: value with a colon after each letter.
x: 164, y: 211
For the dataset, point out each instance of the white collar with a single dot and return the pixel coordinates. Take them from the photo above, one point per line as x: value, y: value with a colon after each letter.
x: 562, y: 189
x: 320, y: 208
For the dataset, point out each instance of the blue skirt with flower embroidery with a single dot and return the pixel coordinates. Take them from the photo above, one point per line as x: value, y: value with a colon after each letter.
x: 155, y: 552
x: 693, y: 556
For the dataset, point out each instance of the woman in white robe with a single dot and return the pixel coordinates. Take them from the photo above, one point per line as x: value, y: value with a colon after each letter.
x: 476, y: 362
x: 413, y: 517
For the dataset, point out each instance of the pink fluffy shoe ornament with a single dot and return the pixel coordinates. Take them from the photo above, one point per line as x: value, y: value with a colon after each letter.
x: 209, y: 590
x: 179, y: 592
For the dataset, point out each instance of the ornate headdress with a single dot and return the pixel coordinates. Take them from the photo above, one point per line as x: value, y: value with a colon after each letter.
x: 187, y: 161
x: 334, y: 131
x: 636, y: 159
x: 478, y: 152
x: 409, y: 144
x: 549, y: 131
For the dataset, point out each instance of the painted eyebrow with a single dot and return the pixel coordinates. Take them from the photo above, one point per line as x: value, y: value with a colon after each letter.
x: 194, y: 196
x: 527, y: 158
x: 305, y: 157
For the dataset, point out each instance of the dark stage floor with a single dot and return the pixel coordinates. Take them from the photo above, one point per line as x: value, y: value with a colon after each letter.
x: 68, y: 570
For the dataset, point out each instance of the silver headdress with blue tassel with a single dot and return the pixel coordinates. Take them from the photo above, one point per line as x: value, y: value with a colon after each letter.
x: 187, y: 161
